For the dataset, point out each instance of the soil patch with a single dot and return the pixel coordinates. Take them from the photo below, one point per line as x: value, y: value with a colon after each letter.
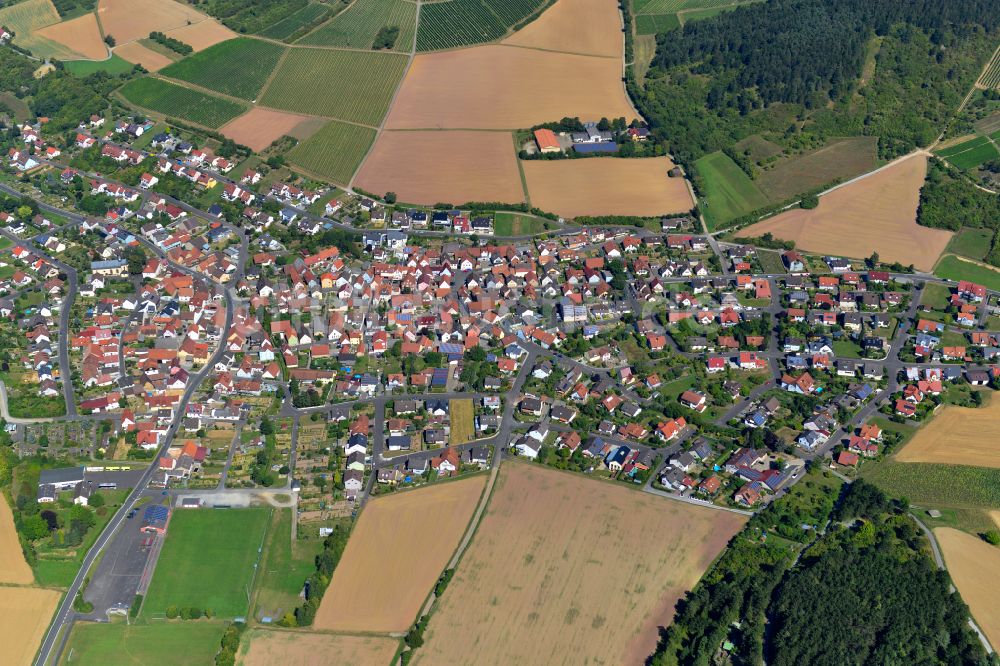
x: 606, y: 186
x: 453, y: 166
x: 876, y: 213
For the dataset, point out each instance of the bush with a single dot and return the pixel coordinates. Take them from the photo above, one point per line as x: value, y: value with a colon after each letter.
x: 172, y: 612
x: 992, y: 537
x: 809, y: 202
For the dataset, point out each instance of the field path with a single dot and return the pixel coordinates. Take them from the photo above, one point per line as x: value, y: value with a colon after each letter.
x: 968, y: 96
x: 395, y: 93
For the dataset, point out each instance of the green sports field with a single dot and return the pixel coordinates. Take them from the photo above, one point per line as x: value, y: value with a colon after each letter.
x: 334, y: 152
x: 177, y: 101
x: 953, y: 268
x: 349, y: 85
x: 357, y: 26
x: 207, y: 561
x: 177, y: 643
x: 729, y: 192
x: 237, y: 67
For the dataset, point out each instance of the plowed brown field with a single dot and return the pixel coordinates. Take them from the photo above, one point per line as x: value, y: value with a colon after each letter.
x: 299, y: 648
x: 503, y: 87
x: 136, y: 53
x: 958, y: 435
x: 259, y: 127
x: 569, y: 570
x: 876, y: 213
x: 606, y: 186
x: 575, y: 26
x: 398, y: 550
x: 453, y: 166
x: 128, y: 20
x: 203, y: 34
x: 974, y: 566
x: 80, y: 35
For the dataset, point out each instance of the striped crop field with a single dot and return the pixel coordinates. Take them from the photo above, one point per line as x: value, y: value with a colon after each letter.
x: 179, y: 102
x: 349, y: 85
x: 454, y: 23
x: 650, y: 24
x: 991, y: 75
x: 970, y: 154
x: 298, y: 21
x: 357, y: 26
x: 334, y: 152
x: 237, y: 67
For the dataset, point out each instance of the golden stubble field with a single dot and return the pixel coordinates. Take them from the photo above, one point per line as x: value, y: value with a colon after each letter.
x: 606, y: 186
x: 262, y: 647
x: 591, y: 27
x: 260, y: 127
x: 569, y: 570
x: 13, y: 569
x: 129, y: 20
x: 974, y: 566
x: 427, y: 167
x: 26, y: 612
x: 202, y: 34
x: 137, y: 54
x: 396, y: 553
x: 958, y: 436
x: 80, y: 35
x: 505, y: 87
x: 876, y: 213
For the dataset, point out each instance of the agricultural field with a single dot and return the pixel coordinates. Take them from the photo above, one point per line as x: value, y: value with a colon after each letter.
x: 452, y: 23
x: 757, y: 148
x: 113, y: 65
x: 876, y: 213
x: 27, y: 612
x: 574, y: 26
x: 960, y: 435
x: 260, y: 127
x: 357, y: 25
x: 656, y: 16
x: 507, y: 88
x: 397, y: 551
x: 139, y: 54
x: 298, y: 21
x: 223, y: 67
x: 284, y: 568
x: 839, y: 160
x: 729, y: 192
x: 263, y: 647
x: 98, y: 644
x: 516, y: 224
x: 468, y: 166
x: 955, y: 268
x: 26, y: 19
x: 971, y: 242
x: 207, y: 561
x: 313, y: 81
x: 934, y: 486
x: 129, y: 20
x: 974, y: 567
x: 651, y: 24
x: 606, y: 186
x: 15, y: 106
x: 81, y: 36
x: 567, y: 569
x: 969, y: 154
x: 462, y: 414
x: 202, y: 34
x: 13, y: 569
x: 334, y: 152
x: 991, y: 74
x: 179, y: 102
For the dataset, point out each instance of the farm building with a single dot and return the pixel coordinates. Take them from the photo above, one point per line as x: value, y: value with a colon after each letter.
x: 547, y: 141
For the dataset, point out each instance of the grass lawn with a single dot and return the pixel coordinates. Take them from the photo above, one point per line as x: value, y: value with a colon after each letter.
x: 845, y: 347
x: 729, y: 192
x: 461, y: 415
x: 113, y: 65
x: 208, y: 561
x: 516, y: 224
x: 192, y: 643
x: 672, y: 390
x: 770, y: 262
x: 285, y: 567
x: 935, y: 296
x: 972, y: 243
x: 953, y: 268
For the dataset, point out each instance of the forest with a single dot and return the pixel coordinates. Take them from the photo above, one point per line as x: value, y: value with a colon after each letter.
x: 795, y: 70
x: 949, y: 200
x: 864, y: 591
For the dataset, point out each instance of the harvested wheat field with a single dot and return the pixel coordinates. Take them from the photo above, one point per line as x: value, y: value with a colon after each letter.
x: 13, y: 568
x: 454, y: 166
x: 137, y: 54
x: 396, y: 553
x: 129, y: 20
x: 80, y: 35
x: 606, y: 186
x: 974, y: 566
x: 259, y: 127
x: 877, y: 213
x: 202, y: 34
x: 570, y: 570
x: 591, y: 27
x: 262, y: 647
x: 962, y: 435
x: 26, y: 612
x: 504, y: 87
